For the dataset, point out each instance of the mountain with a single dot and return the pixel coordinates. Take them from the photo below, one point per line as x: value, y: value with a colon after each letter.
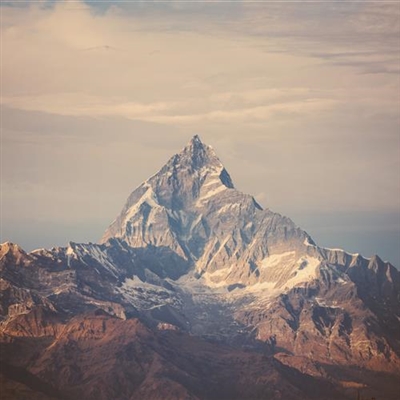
x: 197, y: 292
x: 192, y: 208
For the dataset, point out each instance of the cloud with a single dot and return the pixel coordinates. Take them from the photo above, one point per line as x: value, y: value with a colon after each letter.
x: 80, y: 62
x: 81, y: 104
x: 244, y: 109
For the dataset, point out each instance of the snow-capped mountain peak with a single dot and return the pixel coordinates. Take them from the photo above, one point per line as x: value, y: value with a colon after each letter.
x: 197, y: 163
x: 197, y: 156
x: 191, y: 208
x: 190, y: 179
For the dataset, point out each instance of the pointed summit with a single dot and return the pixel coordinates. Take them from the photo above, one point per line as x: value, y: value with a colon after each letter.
x: 195, y: 156
x: 196, y: 148
x: 195, y: 164
x: 189, y: 180
x: 199, y: 153
x: 196, y: 140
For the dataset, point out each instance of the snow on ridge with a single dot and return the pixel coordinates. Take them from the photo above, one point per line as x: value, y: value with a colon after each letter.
x: 211, y: 193
x: 148, y: 197
x: 38, y: 250
x: 99, y: 256
x: 213, y: 176
x: 307, y: 242
x: 342, y: 251
x: 79, y: 251
x: 212, y: 182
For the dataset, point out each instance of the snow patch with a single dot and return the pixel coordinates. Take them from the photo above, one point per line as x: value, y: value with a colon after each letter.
x: 322, y: 303
x: 209, y: 277
x: 307, y: 271
x: 146, y: 296
x: 286, y: 271
x: 228, y: 207
x: 263, y: 286
x: 307, y: 242
x: 275, y: 259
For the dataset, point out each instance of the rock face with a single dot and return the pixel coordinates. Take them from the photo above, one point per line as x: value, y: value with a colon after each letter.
x: 196, y: 292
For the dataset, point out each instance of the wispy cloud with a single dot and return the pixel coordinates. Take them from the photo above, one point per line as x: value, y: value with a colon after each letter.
x: 224, y: 107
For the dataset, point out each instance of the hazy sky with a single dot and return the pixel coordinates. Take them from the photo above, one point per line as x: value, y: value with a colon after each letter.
x: 300, y: 100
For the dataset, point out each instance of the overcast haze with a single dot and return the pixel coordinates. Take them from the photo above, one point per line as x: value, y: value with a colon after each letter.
x: 300, y: 101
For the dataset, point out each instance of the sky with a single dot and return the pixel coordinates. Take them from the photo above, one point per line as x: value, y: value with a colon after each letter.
x: 301, y: 101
